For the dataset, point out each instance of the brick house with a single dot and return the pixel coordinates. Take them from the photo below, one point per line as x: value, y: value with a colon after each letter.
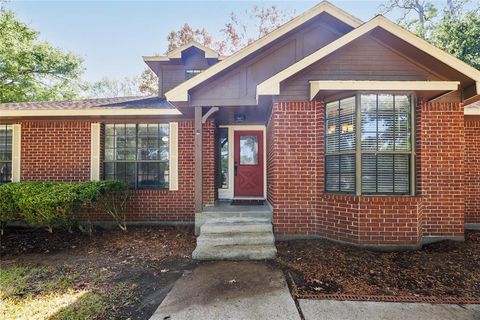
x: 355, y: 131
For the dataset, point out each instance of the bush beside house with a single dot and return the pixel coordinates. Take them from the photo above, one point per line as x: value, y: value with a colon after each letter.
x: 54, y: 205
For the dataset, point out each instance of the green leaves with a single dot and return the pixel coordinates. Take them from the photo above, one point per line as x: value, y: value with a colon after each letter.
x: 53, y: 205
x: 460, y: 37
x: 31, y: 70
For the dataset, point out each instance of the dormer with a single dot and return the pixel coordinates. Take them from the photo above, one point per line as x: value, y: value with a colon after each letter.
x: 181, y: 64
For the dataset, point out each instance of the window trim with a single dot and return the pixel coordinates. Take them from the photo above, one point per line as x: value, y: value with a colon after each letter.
x: 358, y: 146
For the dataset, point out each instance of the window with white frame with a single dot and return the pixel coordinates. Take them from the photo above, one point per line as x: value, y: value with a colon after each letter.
x: 138, y: 154
x: 5, y: 153
x: 376, y: 158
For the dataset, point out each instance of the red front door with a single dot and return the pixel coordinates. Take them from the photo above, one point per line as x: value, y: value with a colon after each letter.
x: 248, y: 164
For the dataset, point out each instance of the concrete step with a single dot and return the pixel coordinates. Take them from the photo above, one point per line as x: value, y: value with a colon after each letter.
x: 223, y: 239
x: 236, y: 225
x: 235, y: 252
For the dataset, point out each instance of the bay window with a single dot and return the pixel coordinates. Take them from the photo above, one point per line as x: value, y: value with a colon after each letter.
x: 138, y: 154
x: 369, y: 144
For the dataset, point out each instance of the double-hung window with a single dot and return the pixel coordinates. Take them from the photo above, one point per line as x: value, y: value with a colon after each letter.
x: 340, y: 146
x: 138, y: 154
x: 5, y: 153
x: 369, y: 147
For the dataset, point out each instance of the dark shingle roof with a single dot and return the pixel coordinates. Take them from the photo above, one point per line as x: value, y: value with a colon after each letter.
x: 103, y: 103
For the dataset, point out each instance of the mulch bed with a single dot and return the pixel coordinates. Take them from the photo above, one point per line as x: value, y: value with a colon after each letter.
x: 150, y: 259
x: 447, y: 272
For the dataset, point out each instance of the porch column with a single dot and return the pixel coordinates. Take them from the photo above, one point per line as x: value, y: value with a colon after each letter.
x: 198, y: 160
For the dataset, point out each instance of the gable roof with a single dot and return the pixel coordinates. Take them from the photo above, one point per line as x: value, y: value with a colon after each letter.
x: 91, y: 107
x: 180, y: 92
x: 177, y: 53
x: 271, y: 86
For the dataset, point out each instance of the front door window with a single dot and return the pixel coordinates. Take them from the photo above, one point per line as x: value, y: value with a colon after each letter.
x: 249, y: 149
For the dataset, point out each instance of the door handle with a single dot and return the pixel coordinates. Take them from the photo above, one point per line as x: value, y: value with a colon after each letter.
x: 235, y: 168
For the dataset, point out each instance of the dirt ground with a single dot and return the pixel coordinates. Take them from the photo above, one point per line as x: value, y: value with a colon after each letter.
x: 444, y: 269
x: 147, y: 261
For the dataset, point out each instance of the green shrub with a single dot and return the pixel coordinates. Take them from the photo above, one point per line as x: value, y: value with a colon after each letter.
x: 46, y: 204
x: 54, y: 204
x: 109, y: 196
x: 8, y: 208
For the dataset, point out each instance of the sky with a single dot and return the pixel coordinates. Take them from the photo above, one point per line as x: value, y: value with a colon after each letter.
x: 112, y: 36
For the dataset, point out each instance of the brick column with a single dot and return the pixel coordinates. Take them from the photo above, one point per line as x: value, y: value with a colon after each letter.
x: 472, y: 171
x: 208, y: 158
x: 440, y: 168
x: 293, y: 166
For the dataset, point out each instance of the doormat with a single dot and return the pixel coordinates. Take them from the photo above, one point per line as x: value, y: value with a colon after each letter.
x: 247, y: 202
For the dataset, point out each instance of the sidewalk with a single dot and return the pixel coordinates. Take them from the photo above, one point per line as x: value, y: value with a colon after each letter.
x: 359, y: 310
x: 229, y: 290
x: 255, y: 290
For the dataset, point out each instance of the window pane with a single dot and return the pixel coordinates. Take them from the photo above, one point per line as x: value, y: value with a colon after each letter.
x: 385, y: 173
x: 385, y: 103
x: 223, y: 162
x: 5, y: 172
x: 347, y: 106
x: 332, y: 109
x: 369, y: 103
x: 340, y: 173
x: 249, y: 150
x: 5, y: 153
x: 333, y: 142
x: 402, y: 103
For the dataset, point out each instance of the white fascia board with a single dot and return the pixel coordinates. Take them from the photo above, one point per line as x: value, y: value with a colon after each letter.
x: 87, y: 112
x: 317, y: 86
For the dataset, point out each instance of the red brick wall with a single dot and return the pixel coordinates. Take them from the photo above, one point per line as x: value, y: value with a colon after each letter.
x: 55, y: 150
x: 440, y: 168
x: 60, y: 151
x: 208, y: 168
x: 292, y: 165
x: 472, y: 171
x: 296, y: 191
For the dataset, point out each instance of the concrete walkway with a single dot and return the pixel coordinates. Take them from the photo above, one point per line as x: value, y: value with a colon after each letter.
x: 229, y: 290
x: 357, y: 310
x: 255, y: 290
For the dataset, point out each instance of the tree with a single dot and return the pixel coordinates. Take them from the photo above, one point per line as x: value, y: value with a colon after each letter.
x: 262, y: 20
x: 187, y: 34
x: 424, y: 11
x: 31, y: 70
x: 148, y: 82
x: 109, y: 88
x: 451, y: 28
x: 460, y: 36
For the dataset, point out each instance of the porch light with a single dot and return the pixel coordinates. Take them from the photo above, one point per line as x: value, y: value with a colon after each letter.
x: 239, y: 117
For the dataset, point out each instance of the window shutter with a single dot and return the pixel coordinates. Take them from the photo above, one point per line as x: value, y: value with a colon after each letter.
x: 95, y: 152
x: 16, y: 151
x: 173, y: 161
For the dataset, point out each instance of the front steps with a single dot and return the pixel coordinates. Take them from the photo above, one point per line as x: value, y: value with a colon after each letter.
x: 235, y: 238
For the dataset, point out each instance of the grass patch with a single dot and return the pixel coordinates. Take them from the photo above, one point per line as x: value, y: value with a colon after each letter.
x: 57, y: 293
